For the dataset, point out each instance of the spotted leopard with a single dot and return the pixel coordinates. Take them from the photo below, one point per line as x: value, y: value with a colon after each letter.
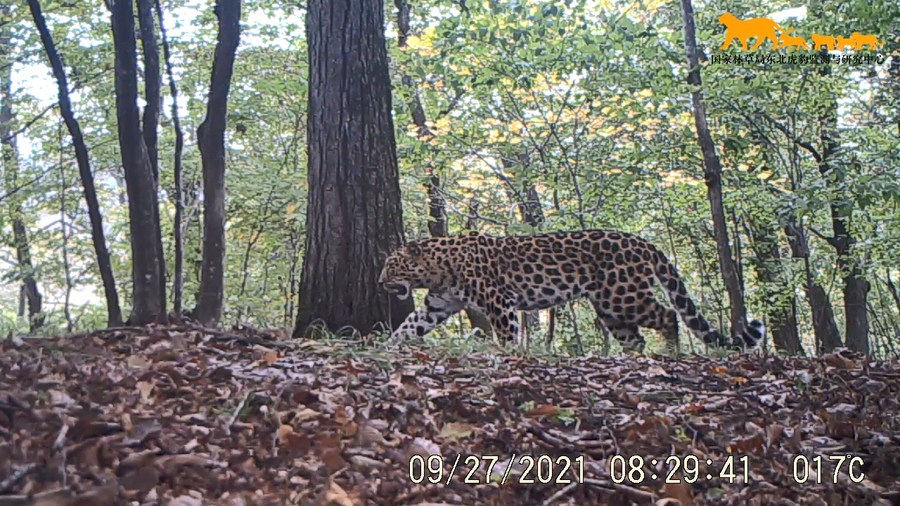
x: 499, y: 276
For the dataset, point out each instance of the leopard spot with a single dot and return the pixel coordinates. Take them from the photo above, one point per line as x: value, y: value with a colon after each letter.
x: 691, y: 308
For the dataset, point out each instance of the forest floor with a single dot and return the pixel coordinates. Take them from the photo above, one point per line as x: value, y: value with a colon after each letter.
x: 188, y: 416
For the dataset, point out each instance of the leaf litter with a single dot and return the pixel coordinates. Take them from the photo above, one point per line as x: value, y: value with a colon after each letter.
x: 187, y: 416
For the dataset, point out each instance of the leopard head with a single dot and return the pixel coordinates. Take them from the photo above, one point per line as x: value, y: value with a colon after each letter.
x: 409, y: 267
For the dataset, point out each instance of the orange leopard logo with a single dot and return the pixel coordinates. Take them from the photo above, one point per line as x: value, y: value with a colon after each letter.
x: 844, y: 43
x: 745, y: 29
x: 860, y: 41
x: 791, y: 41
x: 824, y: 40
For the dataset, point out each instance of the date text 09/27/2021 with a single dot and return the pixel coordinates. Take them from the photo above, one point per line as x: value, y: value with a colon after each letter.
x: 634, y: 470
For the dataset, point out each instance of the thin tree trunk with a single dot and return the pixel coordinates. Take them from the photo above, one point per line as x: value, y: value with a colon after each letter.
x: 712, y: 175
x: 211, y: 135
x: 477, y: 319
x: 139, y: 181
x: 113, y: 310
x: 825, y: 329
x: 438, y: 225
x: 67, y: 267
x: 178, y: 282
x: 833, y: 171
x: 150, y: 122
x: 354, y: 211
x: 782, y: 314
x: 777, y: 289
x: 9, y: 158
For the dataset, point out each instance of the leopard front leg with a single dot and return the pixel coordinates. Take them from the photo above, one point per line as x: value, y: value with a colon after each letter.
x: 437, y: 309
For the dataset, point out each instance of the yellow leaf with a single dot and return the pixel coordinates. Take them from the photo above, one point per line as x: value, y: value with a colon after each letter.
x: 441, y: 126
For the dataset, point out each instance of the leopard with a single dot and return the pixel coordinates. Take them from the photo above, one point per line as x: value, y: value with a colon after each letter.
x: 502, y: 275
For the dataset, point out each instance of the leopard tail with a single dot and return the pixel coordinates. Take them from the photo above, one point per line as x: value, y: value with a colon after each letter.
x: 668, y: 277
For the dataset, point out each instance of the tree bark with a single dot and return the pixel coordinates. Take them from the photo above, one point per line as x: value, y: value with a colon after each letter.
x: 211, y: 135
x: 178, y: 281
x: 150, y: 121
x: 712, y: 175
x: 354, y: 214
x: 147, y: 304
x: 113, y: 310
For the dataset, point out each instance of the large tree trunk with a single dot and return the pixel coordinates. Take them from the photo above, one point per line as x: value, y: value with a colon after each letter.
x: 211, y: 135
x: 178, y: 194
x: 150, y: 122
x: 139, y: 182
x: 712, y: 175
x: 113, y: 310
x: 354, y: 215
x: 9, y: 159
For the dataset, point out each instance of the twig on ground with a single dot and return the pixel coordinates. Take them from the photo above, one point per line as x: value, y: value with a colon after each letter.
x: 14, y: 477
x: 560, y: 493
x: 237, y: 412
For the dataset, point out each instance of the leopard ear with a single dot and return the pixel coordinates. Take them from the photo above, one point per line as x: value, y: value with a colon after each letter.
x: 414, y: 248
